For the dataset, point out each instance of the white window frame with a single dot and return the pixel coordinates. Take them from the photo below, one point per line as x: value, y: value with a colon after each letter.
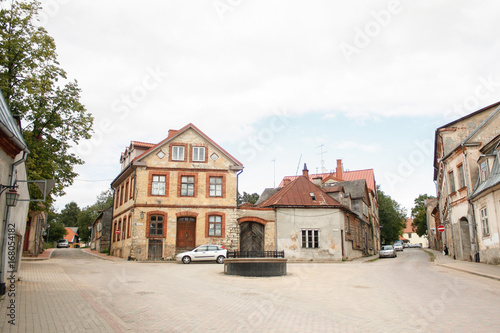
x: 178, y: 153
x: 158, y: 185
x: 484, y: 221
x: 198, y: 154
x: 310, y: 238
x: 187, y: 187
x: 215, y: 226
x: 215, y: 189
x: 484, y: 171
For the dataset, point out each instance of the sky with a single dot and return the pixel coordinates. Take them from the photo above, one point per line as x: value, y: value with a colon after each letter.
x: 278, y: 83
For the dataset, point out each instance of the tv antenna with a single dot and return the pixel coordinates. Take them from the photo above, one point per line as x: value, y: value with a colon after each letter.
x: 323, y: 169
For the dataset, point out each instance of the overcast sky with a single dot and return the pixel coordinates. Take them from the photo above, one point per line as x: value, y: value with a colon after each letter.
x: 276, y: 83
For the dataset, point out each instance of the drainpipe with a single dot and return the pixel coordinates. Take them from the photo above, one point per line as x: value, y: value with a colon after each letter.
x: 3, y: 266
x: 237, y: 187
x: 445, y: 182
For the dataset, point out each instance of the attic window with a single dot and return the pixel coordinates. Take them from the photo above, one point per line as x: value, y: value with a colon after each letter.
x: 312, y: 196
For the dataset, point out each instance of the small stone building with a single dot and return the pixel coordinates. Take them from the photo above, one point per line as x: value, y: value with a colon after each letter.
x: 101, y: 231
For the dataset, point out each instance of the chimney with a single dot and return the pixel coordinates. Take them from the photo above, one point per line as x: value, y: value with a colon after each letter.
x: 286, y: 181
x: 339, y: 169
x: 318, y: 181
x: 305, y: 172
x: 172, y: 132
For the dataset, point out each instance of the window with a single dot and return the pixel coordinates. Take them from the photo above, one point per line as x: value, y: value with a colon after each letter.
x: 187, y: 186
x: 158, y: 185
x: 451, y: 178
x: 156, y: 226
x: 310, y: 239
x: 484, y: 171
x: 198, y: 154
x: 215, y: 186
x: 461, y: 175
x: 484, y: 222
x: 348, y: 223
x: 215, y: 225
x: 129, y: 228
x: 132, y: 185
x: 178, y: 153
x: 126, y: 191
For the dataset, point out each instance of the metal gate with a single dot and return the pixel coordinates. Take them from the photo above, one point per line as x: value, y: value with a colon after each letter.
x: 155, y: 249
x: 251, y: 236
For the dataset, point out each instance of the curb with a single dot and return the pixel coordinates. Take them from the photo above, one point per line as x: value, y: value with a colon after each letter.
x: 99, y: 256
x: 471, y: 272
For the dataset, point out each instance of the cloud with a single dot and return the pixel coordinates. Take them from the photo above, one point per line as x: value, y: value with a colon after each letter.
x: 351, y: 145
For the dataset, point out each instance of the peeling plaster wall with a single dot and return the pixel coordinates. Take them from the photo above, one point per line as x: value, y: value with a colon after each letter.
x: 330, y: 223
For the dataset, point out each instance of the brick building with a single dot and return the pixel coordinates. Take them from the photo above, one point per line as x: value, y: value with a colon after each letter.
x: 173, y: 196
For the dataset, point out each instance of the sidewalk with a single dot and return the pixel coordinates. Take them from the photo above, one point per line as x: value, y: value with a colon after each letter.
x: 480, y: 269
x: 102, y: 255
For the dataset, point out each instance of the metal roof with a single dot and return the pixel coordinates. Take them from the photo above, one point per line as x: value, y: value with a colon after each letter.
x: 9, y: 126
x: 492, y: 181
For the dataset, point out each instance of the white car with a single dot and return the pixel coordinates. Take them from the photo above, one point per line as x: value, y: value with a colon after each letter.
x: 387, y: 251
x: 204, y: 253
x: 398, y: 245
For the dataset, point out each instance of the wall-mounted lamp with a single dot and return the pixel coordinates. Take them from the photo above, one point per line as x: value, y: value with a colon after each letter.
x: 142, y: 215
x: 11, y: 196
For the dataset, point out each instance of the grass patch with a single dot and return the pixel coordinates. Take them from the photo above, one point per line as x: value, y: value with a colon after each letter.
x: 372, y: 260
x: 432, y: 257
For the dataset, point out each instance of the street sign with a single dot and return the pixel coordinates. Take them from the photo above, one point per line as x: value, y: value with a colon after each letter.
x: 118, y: 231
x: 441, y: 228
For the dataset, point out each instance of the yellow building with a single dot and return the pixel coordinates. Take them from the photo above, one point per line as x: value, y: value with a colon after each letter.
x: 173, y: 196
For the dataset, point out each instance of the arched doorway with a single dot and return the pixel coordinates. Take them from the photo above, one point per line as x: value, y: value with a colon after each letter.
x: 251, y: 236
x: 186, y: 233
x: 466, y: 241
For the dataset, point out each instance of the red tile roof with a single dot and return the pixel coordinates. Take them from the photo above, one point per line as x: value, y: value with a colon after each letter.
x: 70, y: 237
x: 298, y: 193
x: 409, y: 227
x: 173, y: 133
x: 367, y: 174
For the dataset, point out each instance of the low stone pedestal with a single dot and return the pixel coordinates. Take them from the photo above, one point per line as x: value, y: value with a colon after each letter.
x: 255, y: 266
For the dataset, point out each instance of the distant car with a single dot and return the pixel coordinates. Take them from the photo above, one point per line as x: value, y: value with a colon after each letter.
x: 398, y: 245
x: 204, y: 253
x: 387, y: 251
x: 62, y: 243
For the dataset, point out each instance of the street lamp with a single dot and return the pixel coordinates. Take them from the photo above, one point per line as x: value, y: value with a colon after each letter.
x: 11, y: 196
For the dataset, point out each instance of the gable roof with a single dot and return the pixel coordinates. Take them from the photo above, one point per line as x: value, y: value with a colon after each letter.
x: 473, y: 132
x: 298, y: 194
x: 409, y: 227
x: 176, y: 133
x: 366, y: 174
x: 356, y: 188
x: 492, y: 181
x: 72, y: 233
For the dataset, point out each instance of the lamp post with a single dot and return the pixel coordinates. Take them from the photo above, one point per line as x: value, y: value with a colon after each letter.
x: 11, y: 196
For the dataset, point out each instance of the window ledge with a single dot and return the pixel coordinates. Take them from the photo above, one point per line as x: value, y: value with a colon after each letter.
x: 462, y: 189
x: 453, y: 193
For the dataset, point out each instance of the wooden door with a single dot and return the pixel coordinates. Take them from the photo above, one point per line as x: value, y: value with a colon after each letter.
x: 251, y: 236
x: 186, y: 232
x: 155, y: 249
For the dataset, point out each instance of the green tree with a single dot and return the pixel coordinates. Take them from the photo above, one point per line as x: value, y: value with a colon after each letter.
x: 247, y: 197
x: 418, y: 212
x: 69, y: 215
x: 392, y: 218
x: 56, y: 230
x: 88, y: 214
x: 39, y: 94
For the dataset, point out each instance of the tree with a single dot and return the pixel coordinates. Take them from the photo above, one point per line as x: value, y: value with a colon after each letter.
x: 46, y: 104
x: 88, y: 214
x: 392, y: 218
x: 247, y: 197
x: 56, y: 229
x: 418, y: 212
x: 69, y: 215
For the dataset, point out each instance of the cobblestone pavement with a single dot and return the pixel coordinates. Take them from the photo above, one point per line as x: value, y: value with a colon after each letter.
x: 408, y: 293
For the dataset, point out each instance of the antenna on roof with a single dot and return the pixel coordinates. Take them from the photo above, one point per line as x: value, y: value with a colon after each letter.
x: 323, y: 169
x: 298, y: 166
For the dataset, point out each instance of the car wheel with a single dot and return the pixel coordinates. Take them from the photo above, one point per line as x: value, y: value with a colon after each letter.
x: 220, y: 259
x: 186, y: 259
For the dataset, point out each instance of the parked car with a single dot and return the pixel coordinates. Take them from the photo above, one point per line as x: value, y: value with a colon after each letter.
x: 398, y: 245
x: 204, y: 253
x: 62, y: 243
x: 387, y: 251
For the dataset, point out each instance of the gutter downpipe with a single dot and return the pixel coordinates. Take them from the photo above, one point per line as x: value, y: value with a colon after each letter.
x: 3, y: 266
x: 445, y: 182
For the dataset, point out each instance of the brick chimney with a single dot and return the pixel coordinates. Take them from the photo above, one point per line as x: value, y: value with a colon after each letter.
x: 338, y: 172
x: 172, y: 132
x: 305, y: 172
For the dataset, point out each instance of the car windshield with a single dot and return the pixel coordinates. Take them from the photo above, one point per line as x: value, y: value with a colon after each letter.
x: 387, y: 247
x: 62, y: 241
